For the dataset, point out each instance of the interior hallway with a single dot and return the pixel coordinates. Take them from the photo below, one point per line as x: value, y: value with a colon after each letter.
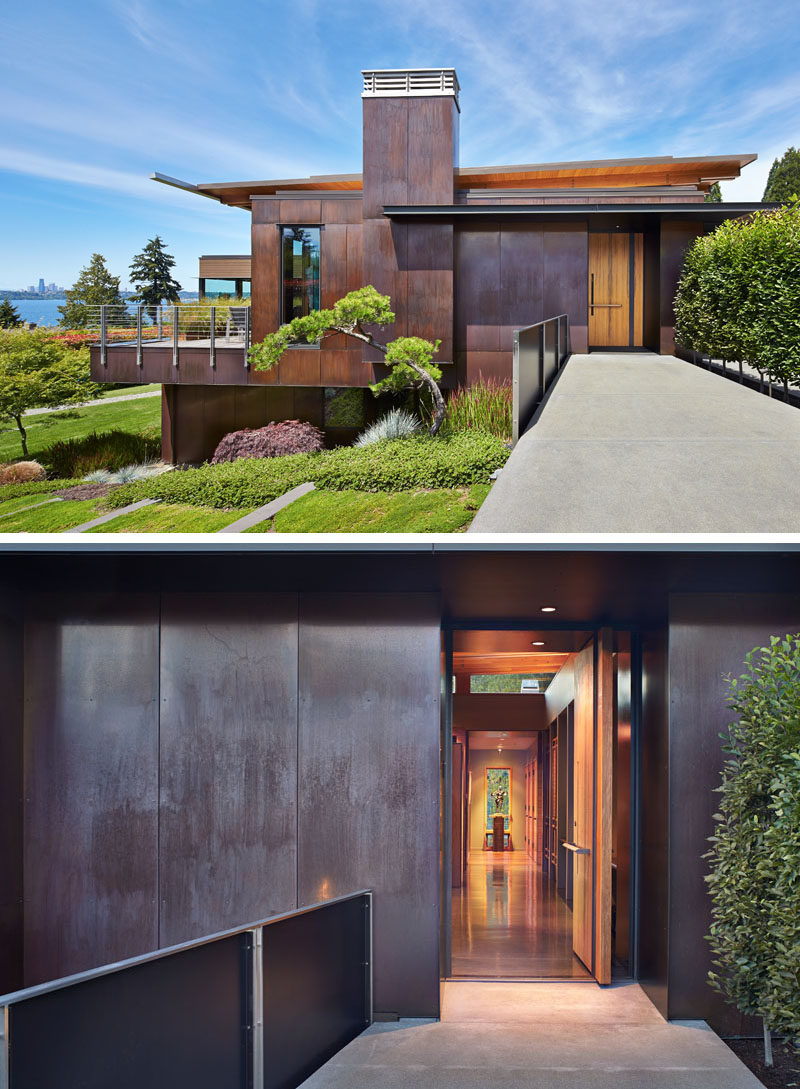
x: 510, y: 923
x: 641, y: 443
x: 537, y: 1036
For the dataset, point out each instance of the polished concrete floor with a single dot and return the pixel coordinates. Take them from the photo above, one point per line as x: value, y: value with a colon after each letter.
x: 510, y: 923
x: 537, y: 1036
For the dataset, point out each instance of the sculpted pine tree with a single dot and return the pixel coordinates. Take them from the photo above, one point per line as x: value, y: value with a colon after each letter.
x: 783, y: 181
x: 151, y: 274
x: 94, y: 287
x: 410, y: 359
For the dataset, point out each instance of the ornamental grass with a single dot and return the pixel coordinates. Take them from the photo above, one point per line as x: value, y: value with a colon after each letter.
x: 483, y: 406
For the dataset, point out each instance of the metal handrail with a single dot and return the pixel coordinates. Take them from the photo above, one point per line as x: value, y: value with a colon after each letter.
x: 158, y: 954
x: 531, y: 382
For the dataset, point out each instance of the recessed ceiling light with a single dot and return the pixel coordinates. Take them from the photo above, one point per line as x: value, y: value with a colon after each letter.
x: 548, y: 608
x: 537, y: 643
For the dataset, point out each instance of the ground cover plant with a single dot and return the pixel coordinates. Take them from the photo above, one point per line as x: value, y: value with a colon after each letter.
x: 486, y: 405
x: 43, y: 430
x: 738, y: 296
x: 34, y: 488
x: 449, y: 461
x: 754, y: 878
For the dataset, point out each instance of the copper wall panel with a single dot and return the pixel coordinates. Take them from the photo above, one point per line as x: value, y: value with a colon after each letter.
x: 265, y: 286
x: 333, y: 264
x: 484, y: 710
x: 477, y: 279
x: 385, y: 174
x: 341, y: 211
x: 676, y: 237
x: 301, y: 367
x: 228, y: 761
x: 355, y: 266
x: 429, y: 266
x: 91, y: 781
x: 709, y: 636
x: 432, y: 136
x: 11, y: 672
x: 300, y: 212
x: 369, y: 770
x: 654, y: 820
x: 520, y: 282
x: 230, y: 369
x: 167, y: 424
x: 566, y: 264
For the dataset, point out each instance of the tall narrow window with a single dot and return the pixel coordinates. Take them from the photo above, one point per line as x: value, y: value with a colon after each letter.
x: 300, y: 271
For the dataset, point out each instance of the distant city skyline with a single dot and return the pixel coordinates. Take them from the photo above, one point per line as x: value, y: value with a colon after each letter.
x: 96, y: 97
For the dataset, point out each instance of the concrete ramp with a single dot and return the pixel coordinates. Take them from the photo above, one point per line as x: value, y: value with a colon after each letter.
x: 642, y: 443
x: 538, y: 1036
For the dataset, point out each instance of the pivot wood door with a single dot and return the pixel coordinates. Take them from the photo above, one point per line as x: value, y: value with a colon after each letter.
x: 591, y: 844
x: 616, y: 294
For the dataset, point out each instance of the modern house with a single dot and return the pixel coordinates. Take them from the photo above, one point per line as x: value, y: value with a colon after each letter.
x: 467, y: 254
x: 197, y: 740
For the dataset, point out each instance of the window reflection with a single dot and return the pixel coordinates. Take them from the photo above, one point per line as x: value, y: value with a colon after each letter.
x: 300, y: 251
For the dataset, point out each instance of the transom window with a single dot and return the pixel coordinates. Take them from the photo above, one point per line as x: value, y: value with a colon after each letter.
x: 300, y: 271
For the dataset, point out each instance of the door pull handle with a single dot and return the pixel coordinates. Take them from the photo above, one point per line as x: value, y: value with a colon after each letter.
x: 575, y: 849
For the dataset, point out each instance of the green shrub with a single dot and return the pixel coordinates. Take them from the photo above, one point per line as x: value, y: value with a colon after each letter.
x: 755, y: 855
x: 396, y: 465
x: 739, y: 293
x: 107, y: 450
x: 486, y: 405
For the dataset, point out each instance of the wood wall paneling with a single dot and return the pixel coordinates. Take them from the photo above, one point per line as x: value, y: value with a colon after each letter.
x: 582, y: 833
x: 709, y: 635
x: 503, y: 711
x: 91, y: 782
x: 369, y: 769
x: 228, y: 761
x: 11, y: 787
x: 604, y: 803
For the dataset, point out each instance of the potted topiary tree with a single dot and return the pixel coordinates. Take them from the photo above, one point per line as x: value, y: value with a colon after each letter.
x: 754, y: 877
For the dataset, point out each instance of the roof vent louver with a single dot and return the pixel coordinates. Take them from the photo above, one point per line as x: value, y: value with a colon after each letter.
x: 410, y: 83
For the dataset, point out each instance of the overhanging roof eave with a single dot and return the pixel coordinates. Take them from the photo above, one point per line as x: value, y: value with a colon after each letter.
x: 454, y: 212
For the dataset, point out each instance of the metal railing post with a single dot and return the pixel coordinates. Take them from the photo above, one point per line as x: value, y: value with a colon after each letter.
x: 160, y: 317
x: 213, y: 337
x: 369, y: 971
x: 558, y: 343
x: 257, y: 1006
x: 139, y: 357
x: 515, y: 394
x: 103, y: 335
x: 246, y: 336
x: 541, y: 361
x: 174, y: 336
x: 4, y: 1043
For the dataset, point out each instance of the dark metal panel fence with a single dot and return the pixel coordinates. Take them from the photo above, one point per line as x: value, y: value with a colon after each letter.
x: 261, y: 1007
x: 540, y: 351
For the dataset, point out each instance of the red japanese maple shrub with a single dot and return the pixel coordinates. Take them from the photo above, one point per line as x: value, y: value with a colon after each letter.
x: 272, y: 441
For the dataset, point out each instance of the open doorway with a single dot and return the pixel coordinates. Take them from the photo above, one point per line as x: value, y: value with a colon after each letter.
x: 541, y: 805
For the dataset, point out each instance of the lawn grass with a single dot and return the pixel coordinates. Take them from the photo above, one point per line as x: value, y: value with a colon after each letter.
x: 20, y: 503
x: 170, y: 518
x: 74, y: 423
x: 443, y: 510
x: 53, y: 518
x: 128, y: 391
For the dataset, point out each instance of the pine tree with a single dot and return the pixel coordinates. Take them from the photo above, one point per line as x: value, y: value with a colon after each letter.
x: 9, y: 316
x: 714, y: 195
x: 784, y: 178
x: 151, y: 273
x: 95, y: 286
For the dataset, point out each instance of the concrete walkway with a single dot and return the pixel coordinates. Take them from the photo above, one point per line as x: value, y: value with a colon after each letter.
x: 97, y: 401
x: 641, y: 443
x: 537, y: 1036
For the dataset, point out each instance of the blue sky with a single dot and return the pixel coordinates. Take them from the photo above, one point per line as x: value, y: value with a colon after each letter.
x: 96, y: 95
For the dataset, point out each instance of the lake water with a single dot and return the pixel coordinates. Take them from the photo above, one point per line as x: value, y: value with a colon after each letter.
x: 42, y: 311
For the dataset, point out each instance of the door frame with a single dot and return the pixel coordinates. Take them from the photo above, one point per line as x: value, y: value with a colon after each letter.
x: 448, y: 628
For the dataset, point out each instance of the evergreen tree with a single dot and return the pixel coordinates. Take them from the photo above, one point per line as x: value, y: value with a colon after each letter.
x: 714, y: 195
x: 95, y: 286
x: 783, y: 182
x: 151, y: 273
x: 9, y: 316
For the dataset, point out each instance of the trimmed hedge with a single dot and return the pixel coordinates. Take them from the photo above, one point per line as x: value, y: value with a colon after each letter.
x: 396, y: 465
x: 739, y: 293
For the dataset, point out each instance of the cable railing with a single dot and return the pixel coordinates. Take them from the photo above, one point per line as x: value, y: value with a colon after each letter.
x: 540, y: 351
x: 259, y: 1007
x: 190, y: 325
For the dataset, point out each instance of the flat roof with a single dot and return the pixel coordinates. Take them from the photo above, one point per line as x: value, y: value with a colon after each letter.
x: 680, y: 170
x: 707, y: 212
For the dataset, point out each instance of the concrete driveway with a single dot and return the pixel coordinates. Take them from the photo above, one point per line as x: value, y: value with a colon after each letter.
x: 642, y: 443
x: 538, y: 1036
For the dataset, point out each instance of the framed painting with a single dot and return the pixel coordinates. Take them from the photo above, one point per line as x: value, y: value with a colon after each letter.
x: 498, y: 797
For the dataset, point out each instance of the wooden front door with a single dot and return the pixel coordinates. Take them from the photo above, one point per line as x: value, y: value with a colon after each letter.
x: 616, y: 295
x: 591, y: 841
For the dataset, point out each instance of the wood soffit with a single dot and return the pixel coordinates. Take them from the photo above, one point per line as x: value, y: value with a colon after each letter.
x: 699, y: 172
